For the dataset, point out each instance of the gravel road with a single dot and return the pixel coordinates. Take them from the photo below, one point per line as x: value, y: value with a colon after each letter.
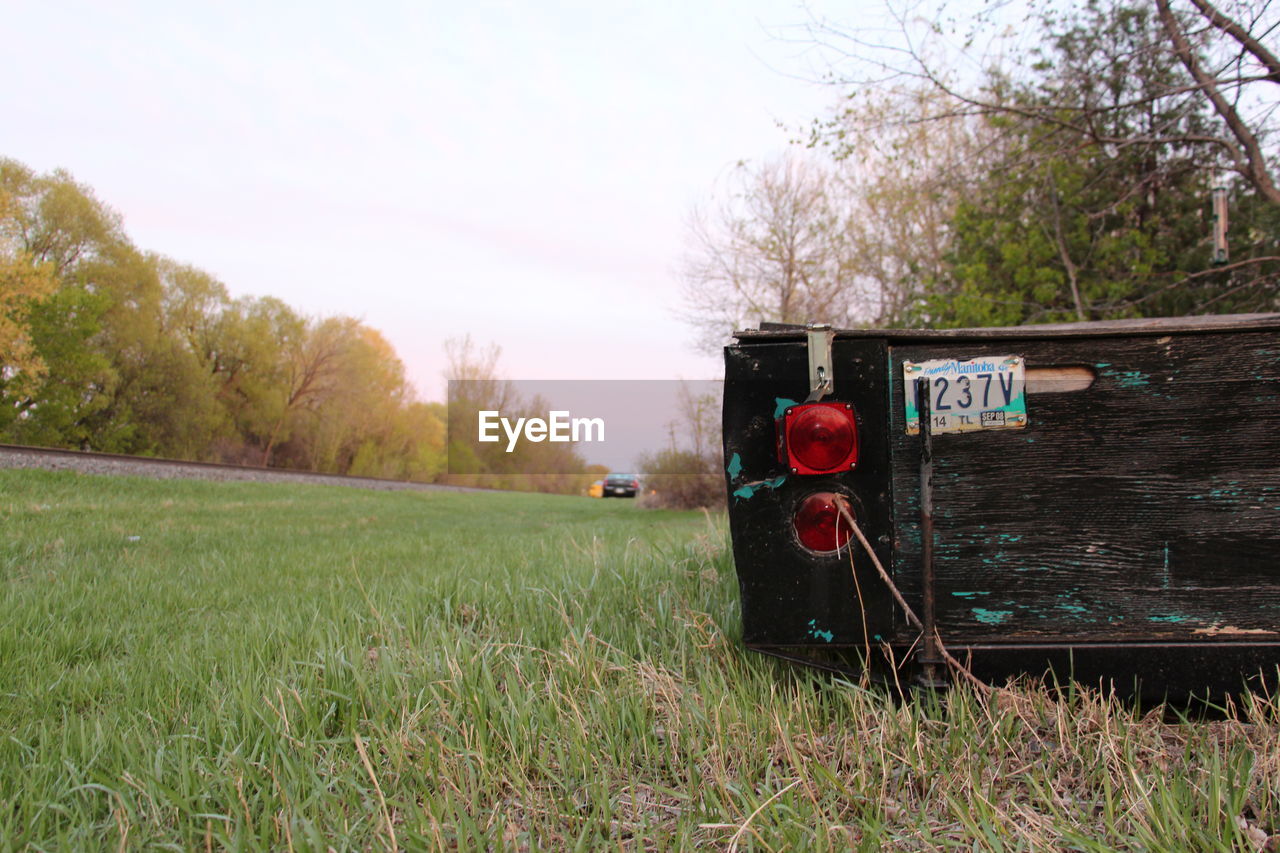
x: 12, y: 456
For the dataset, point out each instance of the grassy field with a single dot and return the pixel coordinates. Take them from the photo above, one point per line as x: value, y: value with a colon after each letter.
x: 209, y: 665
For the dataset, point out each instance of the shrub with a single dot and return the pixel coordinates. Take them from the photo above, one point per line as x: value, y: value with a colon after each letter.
x: 682, y: 479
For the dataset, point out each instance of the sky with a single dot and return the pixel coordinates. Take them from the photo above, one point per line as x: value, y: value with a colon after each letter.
x: 519, y: 172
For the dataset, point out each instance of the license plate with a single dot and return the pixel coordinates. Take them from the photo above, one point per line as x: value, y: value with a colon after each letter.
x: 967, y: 395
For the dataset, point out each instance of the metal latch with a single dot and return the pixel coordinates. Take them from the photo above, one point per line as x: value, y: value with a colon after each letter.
x: 821, y: 374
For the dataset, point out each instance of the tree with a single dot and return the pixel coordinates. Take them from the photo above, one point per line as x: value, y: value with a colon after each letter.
x: 63, y: 409
x: 57, y: 227
x: 105, y: 347
x: 475, y: 385
x: 904, y: 173
x: 770, y: 249
x: 1105, y: 140
x: 312, y: 360
x: 356, y: 407
x: 410, y: 446
x: 161, y: 389
x: 854, y: 233
x: 1231, y: 61
x: 689, y: 472
x: 1230, y: 70
x: 24, y: 283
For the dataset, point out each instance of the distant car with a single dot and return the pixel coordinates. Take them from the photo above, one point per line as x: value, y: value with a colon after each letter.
x: 621, y: 485
x: 596, y: 490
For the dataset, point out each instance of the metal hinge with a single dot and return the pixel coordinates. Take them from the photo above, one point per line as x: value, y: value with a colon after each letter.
x: 821, y: 373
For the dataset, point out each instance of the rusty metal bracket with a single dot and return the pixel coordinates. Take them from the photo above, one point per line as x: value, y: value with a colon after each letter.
x: 821, y: 371
x: 930, y: 656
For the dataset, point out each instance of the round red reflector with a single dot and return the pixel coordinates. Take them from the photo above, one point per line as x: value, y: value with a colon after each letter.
x: 819, y: 525
x: 822, y: 437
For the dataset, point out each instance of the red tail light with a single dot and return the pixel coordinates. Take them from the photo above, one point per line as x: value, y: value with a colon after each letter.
x: 818, y: 438
x: 818, y: 524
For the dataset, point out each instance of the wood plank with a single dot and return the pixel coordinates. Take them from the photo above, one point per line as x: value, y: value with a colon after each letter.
x: 1101, y: 328
x: 1145, y: 507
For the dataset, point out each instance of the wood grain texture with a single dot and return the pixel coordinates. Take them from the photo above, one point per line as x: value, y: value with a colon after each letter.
x: 1146, y: 507
x: 1229, y: 323
x: 791, y: 596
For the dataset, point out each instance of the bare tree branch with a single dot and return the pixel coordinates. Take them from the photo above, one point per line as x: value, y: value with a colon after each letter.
x: 1259, y: 51
x: 1249, y: 156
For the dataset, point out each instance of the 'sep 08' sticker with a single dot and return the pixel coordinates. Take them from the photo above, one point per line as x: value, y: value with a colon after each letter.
x: 966, y: 395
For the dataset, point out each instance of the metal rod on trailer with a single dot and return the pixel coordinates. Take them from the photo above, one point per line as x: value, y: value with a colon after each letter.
x: 930, y: 656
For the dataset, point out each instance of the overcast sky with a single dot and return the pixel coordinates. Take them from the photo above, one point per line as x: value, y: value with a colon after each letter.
x: 521, y: 172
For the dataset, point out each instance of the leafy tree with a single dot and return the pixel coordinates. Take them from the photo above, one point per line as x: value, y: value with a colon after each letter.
x: 312, y: 353
x: 358, y: 407
x: 1088, y: 195
x: 409, y: 447
x: 52, y: 224
x: 1229, y: 70
x: 24, y: 284
x: 105, y: 347
x: 162, y: 390
x: 1069, y: 226
x: 64, y: 409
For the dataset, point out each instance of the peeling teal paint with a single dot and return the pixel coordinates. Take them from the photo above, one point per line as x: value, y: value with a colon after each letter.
x: 748, y: 491
x: 877, y: 638
x: 991, y: 617
x: 780, y: 406
x: 735, y: 466
x: 968, y: 594
x: 819, y: 634
x: 1073, y: 608
x: 1230, y: 492
x: 995, y: 559
x: 1129, y: 378
x: 1171, y: 617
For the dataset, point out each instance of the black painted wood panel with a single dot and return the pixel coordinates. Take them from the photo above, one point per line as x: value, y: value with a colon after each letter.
x: 1146, y: 507
x: 791, y: 596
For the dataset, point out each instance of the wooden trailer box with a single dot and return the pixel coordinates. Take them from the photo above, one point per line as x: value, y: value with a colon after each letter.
x: 1104, y: 499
